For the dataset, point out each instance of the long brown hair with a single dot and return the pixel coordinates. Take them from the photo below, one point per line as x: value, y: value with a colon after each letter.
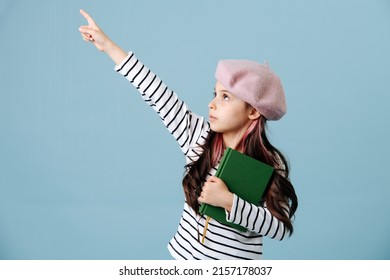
x: 280, y: 196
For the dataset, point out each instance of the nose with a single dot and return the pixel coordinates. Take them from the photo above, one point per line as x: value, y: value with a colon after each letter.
x: 212, y: 105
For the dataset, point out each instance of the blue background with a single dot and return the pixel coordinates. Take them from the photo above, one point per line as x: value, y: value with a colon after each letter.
x: 87, y: 171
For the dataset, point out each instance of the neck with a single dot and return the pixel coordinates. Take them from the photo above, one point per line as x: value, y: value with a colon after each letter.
x: 232, y: 140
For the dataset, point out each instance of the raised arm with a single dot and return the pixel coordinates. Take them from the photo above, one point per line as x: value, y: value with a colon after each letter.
x: 188, y: 129
x: 92, y: 33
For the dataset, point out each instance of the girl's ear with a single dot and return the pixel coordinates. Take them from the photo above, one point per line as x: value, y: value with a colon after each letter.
x: 253, y: 114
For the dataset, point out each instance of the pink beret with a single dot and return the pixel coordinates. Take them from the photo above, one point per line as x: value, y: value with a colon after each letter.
x: 255, y: 84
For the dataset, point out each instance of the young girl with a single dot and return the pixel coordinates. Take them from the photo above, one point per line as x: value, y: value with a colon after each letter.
x: 247, y: 94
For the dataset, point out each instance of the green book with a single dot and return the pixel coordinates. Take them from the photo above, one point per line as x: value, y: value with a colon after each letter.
x: 244, y: 176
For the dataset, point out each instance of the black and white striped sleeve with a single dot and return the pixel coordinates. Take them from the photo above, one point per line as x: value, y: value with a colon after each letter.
x: 185, y: 126
x: 256, y: 218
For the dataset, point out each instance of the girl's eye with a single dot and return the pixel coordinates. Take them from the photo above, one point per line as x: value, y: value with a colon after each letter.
x: 224, y: 96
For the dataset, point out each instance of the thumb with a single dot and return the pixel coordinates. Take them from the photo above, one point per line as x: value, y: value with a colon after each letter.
x: 212, y: 179
x: 86, y: 29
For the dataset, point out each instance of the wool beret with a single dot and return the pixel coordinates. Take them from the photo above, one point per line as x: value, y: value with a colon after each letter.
x: 254, y: 83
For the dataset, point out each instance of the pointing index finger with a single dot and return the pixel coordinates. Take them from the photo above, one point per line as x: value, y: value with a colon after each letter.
x: 87, y: 17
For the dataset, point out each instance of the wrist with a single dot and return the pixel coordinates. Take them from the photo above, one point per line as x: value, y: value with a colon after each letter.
x: 228, y: 202
x: 114, y: 52
x: 108, y: 46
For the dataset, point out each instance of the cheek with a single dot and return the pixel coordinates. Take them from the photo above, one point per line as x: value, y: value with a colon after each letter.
x: 236, y: 121
x: 233, y: 121
x: 231, y: 115
x: 237, y: 114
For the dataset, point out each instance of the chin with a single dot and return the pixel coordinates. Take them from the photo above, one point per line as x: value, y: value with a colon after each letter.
x: 214, y: 128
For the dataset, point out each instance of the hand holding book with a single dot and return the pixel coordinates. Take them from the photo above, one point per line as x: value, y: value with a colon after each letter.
x: 216, y: 193
x: 242, y: 175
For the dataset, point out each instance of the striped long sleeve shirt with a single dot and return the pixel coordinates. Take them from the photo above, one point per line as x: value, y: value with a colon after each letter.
x: 190, y: 131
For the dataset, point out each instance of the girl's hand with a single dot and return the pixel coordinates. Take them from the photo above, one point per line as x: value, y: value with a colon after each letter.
x: 92, y: 33
x: 216, y: 193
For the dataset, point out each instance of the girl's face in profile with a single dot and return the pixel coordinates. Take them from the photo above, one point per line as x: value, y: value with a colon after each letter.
x: 227, y: 113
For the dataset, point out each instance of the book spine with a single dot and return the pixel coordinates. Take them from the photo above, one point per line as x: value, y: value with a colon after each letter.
x: 224, y: 159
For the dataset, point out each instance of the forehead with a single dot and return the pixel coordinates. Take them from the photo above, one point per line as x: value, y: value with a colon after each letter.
x: 220, y: 87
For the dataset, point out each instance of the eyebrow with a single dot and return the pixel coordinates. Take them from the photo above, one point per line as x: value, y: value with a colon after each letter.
x: 222, y: 90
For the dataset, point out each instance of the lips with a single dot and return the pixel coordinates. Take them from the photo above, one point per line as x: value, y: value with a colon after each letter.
x: 211, y: 117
